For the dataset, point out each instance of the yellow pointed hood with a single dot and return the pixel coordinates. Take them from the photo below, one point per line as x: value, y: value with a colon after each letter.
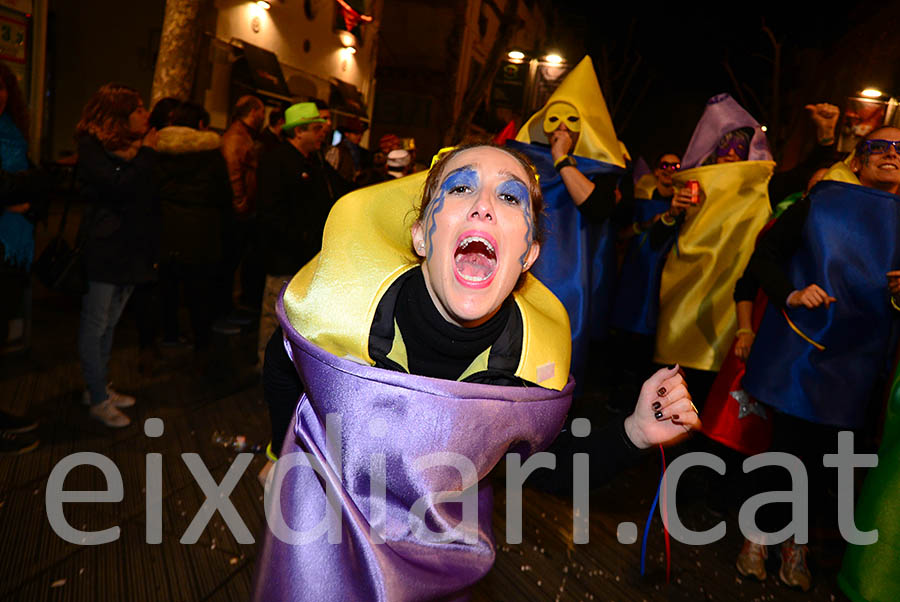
x: 597, y: 139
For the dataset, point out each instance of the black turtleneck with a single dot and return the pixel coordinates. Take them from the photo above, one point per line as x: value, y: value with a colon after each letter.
x: 434, y: 346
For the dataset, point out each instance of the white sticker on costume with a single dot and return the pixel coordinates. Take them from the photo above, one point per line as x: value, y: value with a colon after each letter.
x: 546, y: 371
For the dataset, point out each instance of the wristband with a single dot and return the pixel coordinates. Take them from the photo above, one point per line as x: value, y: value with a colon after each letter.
x: 894, y: 303
x: 637, y: 228
x: 270, y: 454
x: 741, y: 331
x: 667, y: 219
x: 564, y: 161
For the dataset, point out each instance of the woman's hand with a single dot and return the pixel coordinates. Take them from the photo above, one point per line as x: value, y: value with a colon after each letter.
x: 825, y: 117
x: 744, y: 341
x: 894, y: 283
x: 811, y: 297
x: 681, y: 201
x: 664, y: 412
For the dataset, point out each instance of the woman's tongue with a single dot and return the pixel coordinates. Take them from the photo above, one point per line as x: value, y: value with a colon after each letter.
x: 474, y: 263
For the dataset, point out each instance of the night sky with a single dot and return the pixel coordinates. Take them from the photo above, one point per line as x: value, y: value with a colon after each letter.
x: 681, y: 52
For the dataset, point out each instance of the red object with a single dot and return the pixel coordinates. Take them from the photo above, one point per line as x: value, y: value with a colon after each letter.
x: 507, y: 133
x: 694, y: 187
x: 352, y: 17
x: 730, y: 415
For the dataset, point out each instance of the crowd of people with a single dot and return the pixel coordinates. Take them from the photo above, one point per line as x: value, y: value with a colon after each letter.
x: 723, y: 290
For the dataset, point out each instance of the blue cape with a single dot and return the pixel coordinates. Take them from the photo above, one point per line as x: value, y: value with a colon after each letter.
x: 578, y: 259
x: 637, y: 293
x: 850, y: 240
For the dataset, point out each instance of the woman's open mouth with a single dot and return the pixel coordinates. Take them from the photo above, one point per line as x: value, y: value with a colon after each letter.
x: 475, y: 259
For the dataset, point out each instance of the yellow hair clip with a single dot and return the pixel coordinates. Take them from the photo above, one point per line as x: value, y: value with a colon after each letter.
x: 440, y: 154
x: 447, y: 149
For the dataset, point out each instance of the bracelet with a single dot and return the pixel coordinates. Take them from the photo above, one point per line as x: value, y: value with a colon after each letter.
x: 894, y: 303
x: 637, y: 228
x: 564, y: 161
x: 741, y: 331
x: 667, y: 219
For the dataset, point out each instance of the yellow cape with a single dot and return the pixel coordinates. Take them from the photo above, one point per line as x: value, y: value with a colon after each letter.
x: 597, y: 139
x: 841, y: 172
x: 696, y: 305
x: 366, y: 246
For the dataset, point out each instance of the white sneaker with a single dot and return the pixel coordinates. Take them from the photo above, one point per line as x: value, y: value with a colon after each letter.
x: 109, y: 414
x: 120, y: 400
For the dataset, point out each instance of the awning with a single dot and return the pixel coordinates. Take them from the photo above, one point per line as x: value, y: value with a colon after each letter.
x: 263, y: 69
x: 346, y: 98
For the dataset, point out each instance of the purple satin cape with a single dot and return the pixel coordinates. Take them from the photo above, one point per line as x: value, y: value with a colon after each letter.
x: 422, y: 416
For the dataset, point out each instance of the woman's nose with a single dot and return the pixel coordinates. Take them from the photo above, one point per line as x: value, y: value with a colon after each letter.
x: 482, y: 208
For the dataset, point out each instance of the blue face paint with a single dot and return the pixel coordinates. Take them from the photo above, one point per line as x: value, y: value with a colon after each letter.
x: 516, y: 188
x: 464, y: 177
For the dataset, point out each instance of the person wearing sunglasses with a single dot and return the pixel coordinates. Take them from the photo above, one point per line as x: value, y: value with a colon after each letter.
x: 831, y: 269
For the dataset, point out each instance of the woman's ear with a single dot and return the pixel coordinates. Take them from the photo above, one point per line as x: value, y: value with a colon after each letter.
x: 531, y: 256
x: 418, y: 238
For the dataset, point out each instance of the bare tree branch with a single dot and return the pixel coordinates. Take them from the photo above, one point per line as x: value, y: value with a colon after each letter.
x: 759, y: 105
x: 624, y: 87
x: 734, y: 81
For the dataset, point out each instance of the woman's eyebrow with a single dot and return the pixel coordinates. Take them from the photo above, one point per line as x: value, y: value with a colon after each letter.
x: 511, y: 176
x: 468, y: 167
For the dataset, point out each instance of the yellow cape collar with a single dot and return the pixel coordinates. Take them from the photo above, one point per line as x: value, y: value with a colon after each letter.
x: 366, y: 246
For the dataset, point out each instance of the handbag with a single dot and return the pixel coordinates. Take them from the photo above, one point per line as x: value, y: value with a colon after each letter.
x: 60, y: 266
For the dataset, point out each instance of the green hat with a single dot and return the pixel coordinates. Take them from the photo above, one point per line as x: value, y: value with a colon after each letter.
x: 300, y: 114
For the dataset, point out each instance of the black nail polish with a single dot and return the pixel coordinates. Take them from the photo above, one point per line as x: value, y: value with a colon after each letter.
x: 672, y: 367
x: 658, y: 415
x: 674, y: 416
x: 656, y: 405
x: 661, y: 391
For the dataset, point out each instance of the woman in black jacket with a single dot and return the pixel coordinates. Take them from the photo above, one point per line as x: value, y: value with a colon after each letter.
x: 115, y: 166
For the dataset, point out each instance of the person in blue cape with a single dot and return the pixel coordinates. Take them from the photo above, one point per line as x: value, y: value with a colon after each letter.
x: 426, y: 351
x: 572, y: 142
x: 637, y: 291
x: 830, y: 269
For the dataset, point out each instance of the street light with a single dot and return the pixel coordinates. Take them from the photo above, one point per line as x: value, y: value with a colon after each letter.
x: 554, y: 59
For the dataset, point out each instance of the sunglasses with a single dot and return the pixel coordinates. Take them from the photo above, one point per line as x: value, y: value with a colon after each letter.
x: 669, y: 166
x: 879, y: 147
